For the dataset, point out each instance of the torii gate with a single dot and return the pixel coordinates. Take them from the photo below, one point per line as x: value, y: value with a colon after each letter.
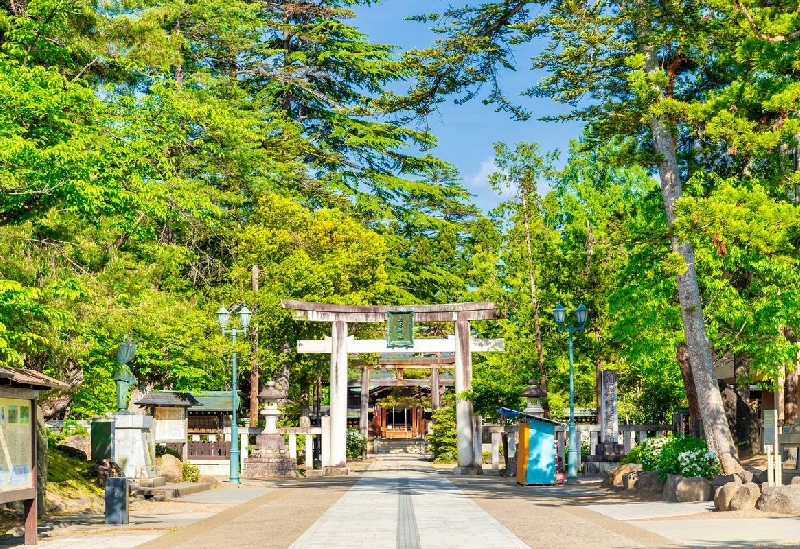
x: 339, y: 345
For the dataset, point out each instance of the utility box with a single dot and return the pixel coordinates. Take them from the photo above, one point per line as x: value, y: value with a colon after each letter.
x: 536, y: 451
x: 117, y: 489
x: 102, y: 439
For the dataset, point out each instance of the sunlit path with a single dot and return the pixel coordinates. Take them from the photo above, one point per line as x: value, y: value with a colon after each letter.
x: 404, y: 503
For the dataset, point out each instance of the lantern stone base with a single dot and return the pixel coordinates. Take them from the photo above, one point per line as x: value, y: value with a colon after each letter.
x: 468, y: 470
x: 335, y: 471
x: 269, y: 458
x: 269, y: 467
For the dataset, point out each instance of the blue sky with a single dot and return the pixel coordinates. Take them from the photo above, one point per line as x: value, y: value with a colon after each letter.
x: 467, y: 132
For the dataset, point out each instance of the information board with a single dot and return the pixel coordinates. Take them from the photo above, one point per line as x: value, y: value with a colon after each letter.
x: 16, y: 444
x: 770, y: 428
x: 170, y: 424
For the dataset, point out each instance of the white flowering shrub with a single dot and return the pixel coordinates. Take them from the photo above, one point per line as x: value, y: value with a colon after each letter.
x: 356, y: 443
x: 699, y: 463
x: 648, y: 452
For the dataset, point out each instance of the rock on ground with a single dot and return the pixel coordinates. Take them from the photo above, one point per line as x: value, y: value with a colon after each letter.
x: 170, y: 467
x: 745, y: 497
x: 724, y: 494
x: 693, y: 489
x: 780, y: 499
x: 615, y: 477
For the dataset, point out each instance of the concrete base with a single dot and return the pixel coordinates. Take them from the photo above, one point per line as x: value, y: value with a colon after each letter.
x: 335, y: 471
x: 269, y: 467
x: 212, y: 467
x: 468, y: 470
x: 153, y: 482
x: 598, y: 468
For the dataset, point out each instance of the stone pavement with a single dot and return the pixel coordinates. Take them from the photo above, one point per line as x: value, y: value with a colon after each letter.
x: 400, y: 502
x: 406, y: 504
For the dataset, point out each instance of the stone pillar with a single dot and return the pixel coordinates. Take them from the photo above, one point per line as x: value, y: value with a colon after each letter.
x: 326, y: 441
x: 292, y: 445
x: 244, y: 439
x: 364, y: 420
x: 609, y: 423
x: 435, y: 388
x: 338, y: 395
x: 309, y: 452
x: 496, y: 450
x: 467, y: 464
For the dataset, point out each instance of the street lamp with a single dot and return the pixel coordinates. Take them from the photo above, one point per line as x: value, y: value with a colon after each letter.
x: 223, y: 317
x: 560, y: 315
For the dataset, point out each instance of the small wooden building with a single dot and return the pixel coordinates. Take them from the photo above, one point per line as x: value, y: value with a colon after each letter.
x: 19, y: 394
x: 205, y: 415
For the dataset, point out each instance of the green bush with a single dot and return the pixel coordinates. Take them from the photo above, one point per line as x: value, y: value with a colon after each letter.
x: 699, y: 463
x: 442, y: 440
x: 669, y: 460
x: 686, y: 455
x: 648, y: 452
x: 356, y: 444
x: 191, y: 472
x: 162, y: 449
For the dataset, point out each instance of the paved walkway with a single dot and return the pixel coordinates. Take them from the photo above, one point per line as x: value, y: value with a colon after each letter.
x: 406, y: 504
x: 399, y: 502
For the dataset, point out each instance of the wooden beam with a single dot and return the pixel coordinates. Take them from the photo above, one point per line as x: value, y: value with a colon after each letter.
x: 324, y: 346
x: 417, y: 362
x: 450, y: 312
x: 401, y: 382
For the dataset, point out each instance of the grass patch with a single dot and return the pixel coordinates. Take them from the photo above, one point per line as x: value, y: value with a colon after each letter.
x: 67, y: 474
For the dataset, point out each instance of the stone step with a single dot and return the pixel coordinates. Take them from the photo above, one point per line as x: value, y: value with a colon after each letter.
x: 171, y: 490
x: 153, y: 482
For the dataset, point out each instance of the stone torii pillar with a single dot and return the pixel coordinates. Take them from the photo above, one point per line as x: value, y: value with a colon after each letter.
x: 338, y: 396
x: 339, y: 345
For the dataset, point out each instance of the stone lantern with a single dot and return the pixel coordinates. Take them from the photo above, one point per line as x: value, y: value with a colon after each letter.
x: 534, y: 395
x: 271, y: 395
x: 270, y: 456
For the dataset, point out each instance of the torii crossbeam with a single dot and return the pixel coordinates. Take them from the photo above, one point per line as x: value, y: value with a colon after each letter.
x: 339, y: 345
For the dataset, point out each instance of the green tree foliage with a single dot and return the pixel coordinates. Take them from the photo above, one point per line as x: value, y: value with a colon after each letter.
x: 442, y: 440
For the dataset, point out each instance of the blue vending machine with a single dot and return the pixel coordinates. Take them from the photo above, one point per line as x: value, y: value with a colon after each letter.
x: 536, y: 452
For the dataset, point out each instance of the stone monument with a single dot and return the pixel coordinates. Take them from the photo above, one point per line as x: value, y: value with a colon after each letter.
x: 608, y: 452
x: 131, y: 445
x: 270, y: 456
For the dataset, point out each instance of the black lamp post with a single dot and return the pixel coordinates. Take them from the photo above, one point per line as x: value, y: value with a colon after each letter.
x: 223, y: 317
x: 560, y: 315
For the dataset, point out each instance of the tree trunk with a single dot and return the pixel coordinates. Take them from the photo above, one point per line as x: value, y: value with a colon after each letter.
x: 255, y: 388
x: 537, y: 329
x: 717, y: 433
x: 790, y: 398
x: 682, y: 356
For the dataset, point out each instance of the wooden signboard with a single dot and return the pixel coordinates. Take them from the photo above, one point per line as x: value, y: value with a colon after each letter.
x: 770, y: 428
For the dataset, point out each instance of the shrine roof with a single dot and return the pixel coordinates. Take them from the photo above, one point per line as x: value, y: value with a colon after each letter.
x: 166, y: 399
x: 199, y: 401
x: 29, y: 379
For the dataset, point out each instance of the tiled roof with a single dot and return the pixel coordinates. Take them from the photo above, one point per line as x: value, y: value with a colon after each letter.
x: 169, y: 398
x: 201, y: 401
x: 29, y: 379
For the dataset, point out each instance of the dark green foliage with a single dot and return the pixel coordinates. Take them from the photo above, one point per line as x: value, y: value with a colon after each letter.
x: 162, y: 449
x: 442, y: 440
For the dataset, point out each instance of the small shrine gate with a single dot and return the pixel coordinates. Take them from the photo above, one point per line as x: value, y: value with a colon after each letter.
x: 462, y: 345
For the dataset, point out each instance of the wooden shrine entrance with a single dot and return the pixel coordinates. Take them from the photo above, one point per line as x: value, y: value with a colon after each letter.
x: 406, y: 419
x: 339, y: 345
